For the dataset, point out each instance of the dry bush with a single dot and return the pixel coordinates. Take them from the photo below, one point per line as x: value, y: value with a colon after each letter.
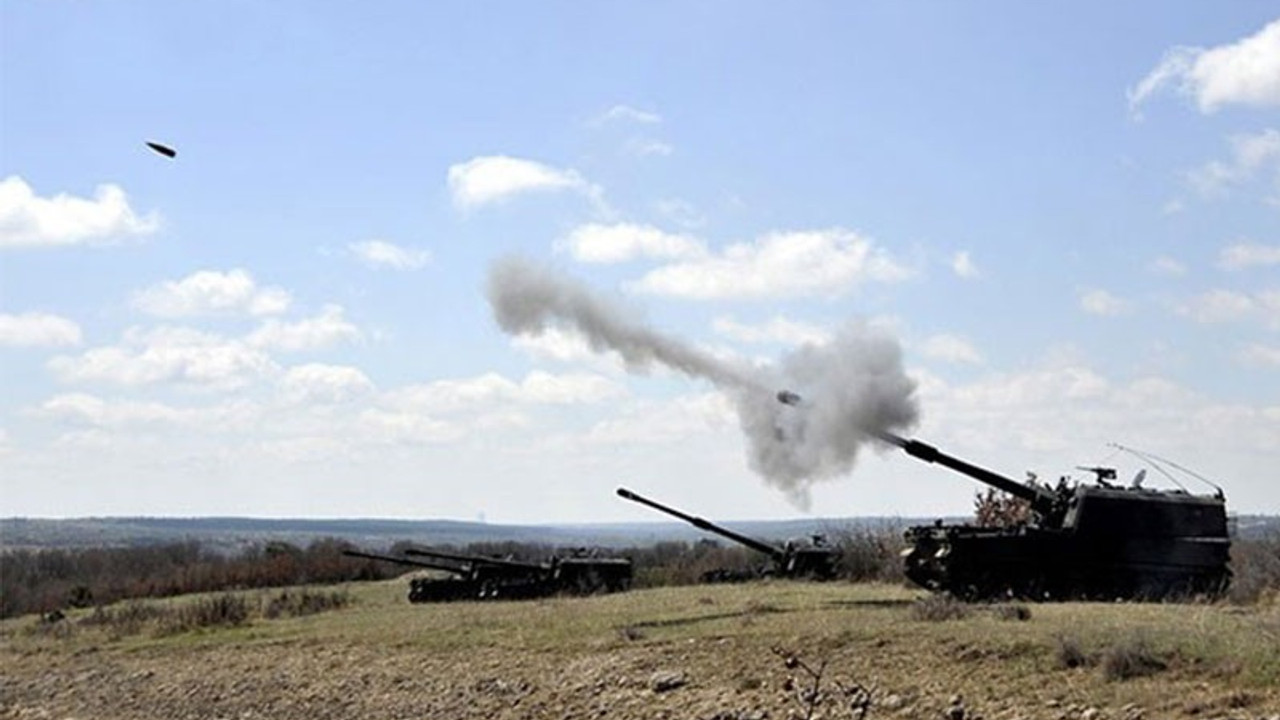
x: 305, y: 602
x: 1071, y: 655
x: 225, y: 610
x: 1255, y: 566
x: 939, y: 608
x: 870, y: 553
x: 1011, y: 612
x: 1131, y: 658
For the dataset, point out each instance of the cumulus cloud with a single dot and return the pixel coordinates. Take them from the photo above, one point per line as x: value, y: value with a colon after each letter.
x: 1246, y: 72
x: 778, y: 330
x: 1222, y: 306
x: 27, y: 220
x: 316, y: 382
x: 167, y: 355
x: 1096, y: 301
x: 209, y: 292
x: 596, y: 243
x: 327, y: 329
x: 1251, y: 156
x: 1246, y: 255
x: 785, y: 264
x: 952, y: 349
x: 488, y: 179
x: 1259, y: 354
x: 382, y: 254
x: 491, y: 390
x: 963, y: 266
x: 36, y: 329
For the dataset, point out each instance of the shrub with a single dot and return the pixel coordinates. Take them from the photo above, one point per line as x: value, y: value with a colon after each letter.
x: 297, y: 604
x: 1011, y: 612
x: 1130, y: 658
x: 1071, y: 655
x: 1255, y: 565
x: 939, y: 608
x: 225, y: 610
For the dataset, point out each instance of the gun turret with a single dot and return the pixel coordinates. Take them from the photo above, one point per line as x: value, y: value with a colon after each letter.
x: 777, y: 553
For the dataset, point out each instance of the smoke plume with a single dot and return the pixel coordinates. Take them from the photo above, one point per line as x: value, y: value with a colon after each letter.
x: 851, y: 388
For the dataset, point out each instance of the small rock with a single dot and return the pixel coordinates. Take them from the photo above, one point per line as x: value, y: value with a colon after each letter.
x: 893, y: 702
x: 1090, y: 714
x: 665, y: 681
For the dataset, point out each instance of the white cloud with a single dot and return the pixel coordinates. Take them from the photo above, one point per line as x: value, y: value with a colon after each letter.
x: 951, y: 348
x: 627, y: 113
x: 209, y: 292
x: 663, y: 423
x: 492, y: 390
x: 1165, y: 265
x: 27, y: 220
x: 595, y: 243
x: 324, y: 330
x: 36, y: 329
x: 382, y: 254
x: 316, y: 382
x: 1259, y: 354
x: 819, y: 262
x: 777, y: 330
x: 1221, y: 306
x: 1251, y: 155
x: 680, y: 212
x: 645, y: 147
x: 963, y: 265
x: 1096, y: 301
x: 1245, y: 255
x: 1246, y: 72
x: 488, y: 179
x: 167, y: 355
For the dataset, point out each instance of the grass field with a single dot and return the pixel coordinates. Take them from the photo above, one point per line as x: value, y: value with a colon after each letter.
x: 685, y: 652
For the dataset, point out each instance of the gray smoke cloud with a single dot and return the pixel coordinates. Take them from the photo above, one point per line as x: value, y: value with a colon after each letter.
x: 852, y: 387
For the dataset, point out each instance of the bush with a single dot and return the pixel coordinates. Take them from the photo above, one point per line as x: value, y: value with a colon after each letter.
x: 225, y: 610
x: 1071, y: 655
x: 939, y: 608
x: 297, y: 604
x: 1255, y: 565
x: 1130, y: 658
x: 1011, y: 612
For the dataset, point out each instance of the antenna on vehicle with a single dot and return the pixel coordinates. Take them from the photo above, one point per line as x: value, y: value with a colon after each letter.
x: 1158, y: 463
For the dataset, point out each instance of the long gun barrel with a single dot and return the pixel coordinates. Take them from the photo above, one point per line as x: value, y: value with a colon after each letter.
x: 404, y: 561
x: 1041, y: 500
x: 475, y: 559
x: 702, y: 524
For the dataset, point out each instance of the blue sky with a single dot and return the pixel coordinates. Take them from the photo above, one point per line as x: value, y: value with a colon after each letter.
x: 1068, y: 216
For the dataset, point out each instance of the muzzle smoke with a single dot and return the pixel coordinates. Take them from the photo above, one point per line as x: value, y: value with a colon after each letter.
x: 851, y: 388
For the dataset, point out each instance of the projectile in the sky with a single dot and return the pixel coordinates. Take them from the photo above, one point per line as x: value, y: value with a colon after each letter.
x: 164, y: 150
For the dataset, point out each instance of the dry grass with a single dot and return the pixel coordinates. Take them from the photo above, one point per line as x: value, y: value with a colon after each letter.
x: 582, y: 652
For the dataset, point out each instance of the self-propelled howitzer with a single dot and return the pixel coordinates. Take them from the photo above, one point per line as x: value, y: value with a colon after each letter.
x: 817, y: 561
x: 579, y: 574
x: 1081, y: 541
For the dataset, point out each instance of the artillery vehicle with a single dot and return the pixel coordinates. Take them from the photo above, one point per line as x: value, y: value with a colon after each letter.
x: 1095, y: 541
x: 576, y: 574
x: 464, y: 584
x: 815, y: 561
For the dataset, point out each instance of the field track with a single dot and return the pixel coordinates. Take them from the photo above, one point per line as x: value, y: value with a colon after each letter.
x: 693, y: 652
